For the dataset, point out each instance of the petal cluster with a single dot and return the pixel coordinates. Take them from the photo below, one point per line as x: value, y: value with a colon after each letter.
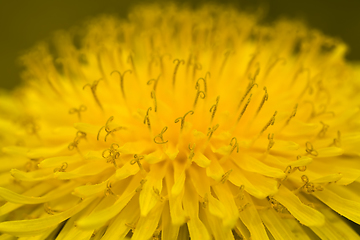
x: 179, y: 124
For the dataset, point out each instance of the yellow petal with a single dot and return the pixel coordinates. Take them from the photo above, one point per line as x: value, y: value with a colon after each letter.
x: 99, y: 218
x: 201, y: 160
x: 118, y: 229
x: 127, y: 170
x: 345, y: 207
x: 169, y: 230
x: 148, y: 224
x: 305, y: 214
x: 196, y: 228
x: 250, y: 217
x: 20, y: 227
x: 13, y: 197
x: 276, y: 225
x: 251, y: 164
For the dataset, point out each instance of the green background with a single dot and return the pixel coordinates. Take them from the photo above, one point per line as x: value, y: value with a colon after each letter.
x: 24, y: 23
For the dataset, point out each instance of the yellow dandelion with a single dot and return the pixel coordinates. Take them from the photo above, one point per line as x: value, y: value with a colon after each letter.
x: 180, y: 124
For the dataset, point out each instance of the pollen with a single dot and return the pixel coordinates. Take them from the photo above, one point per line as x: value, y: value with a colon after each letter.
x: 182, y: 124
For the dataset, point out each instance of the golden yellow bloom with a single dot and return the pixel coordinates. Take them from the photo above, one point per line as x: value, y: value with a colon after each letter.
x: 181, y: 124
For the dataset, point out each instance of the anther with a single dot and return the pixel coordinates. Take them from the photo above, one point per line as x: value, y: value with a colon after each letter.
x: 182, y: 119
x: 122, y: 80
x: 161, y: 137
x: 271, y: 141
x: 191, y: 148
x: 234, y: 144
x: 137, y: 159
x: 271, y: 122
x: 49, y: 210
x: 214, y: 108
x: 226, y: 176
x: 212, y: 130
x: 82, y: 108
x: 275, y: 204
x: 247, y: 92
x: 265, y: 98
x: 107, y: 128
x: 176, y: 68
x: 155, y: 81
x: 153, y: 96
x: 93, y: 87
x: 244, y: 108
x: 63, y: 167
x: 310, y: 149
x: 324, y: 129
x: 147, y: 119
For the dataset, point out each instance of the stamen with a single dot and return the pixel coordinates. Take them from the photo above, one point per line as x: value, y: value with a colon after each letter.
x: 244, y: 109
x: 107, y: 128
x: 212, y: 130
x: 49, y: 210
x: 301, y: 70
x: 241, y: 192
x: 160, y: 136
x: 265, y: 98
x: 131, y: 61
x: 225, y: 176
x: 63, y: 167
x: 271, y: 122
x: 191, y: 155
x: 256, y: 73
x: 337, y: 141
x: 287, y: 171
x: 79, y: 135
x: 197, y: 85
x: 292, y: 115
x: 274, y: 64
x: 246, y: 93
x: 214, y: 108
x: 323, y: 130
x: 137, y: 159
x: 275, y: 205
x: 271, y: 141
x: 142, y: 182
x: 197, y: 66
x: 205, y: 203
x: 183, y: 119
x: 200, y: 94
x: 234, y: 145
x: 310, y: 149
x: 108, y: 190
x: 157, y: 193
x: 176, y: 68
x: 147, y: 119
x: 111, y: 154
x: 121, y: 80
x: 155, y: 81
x: 82, y: 108
x: 93, y: 87
x: 153, y: 96
x: 227, y: 54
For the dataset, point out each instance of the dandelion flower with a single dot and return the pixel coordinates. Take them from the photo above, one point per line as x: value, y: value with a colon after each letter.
x: 179, y: 124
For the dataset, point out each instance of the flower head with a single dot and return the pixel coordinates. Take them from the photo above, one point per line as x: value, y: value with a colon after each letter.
x: 181, y: 123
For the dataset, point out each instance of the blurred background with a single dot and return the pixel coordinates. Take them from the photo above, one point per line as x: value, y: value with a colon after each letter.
x: 24, y: 23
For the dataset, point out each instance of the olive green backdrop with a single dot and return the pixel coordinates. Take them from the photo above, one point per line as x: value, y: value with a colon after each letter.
x: 23, y: 23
